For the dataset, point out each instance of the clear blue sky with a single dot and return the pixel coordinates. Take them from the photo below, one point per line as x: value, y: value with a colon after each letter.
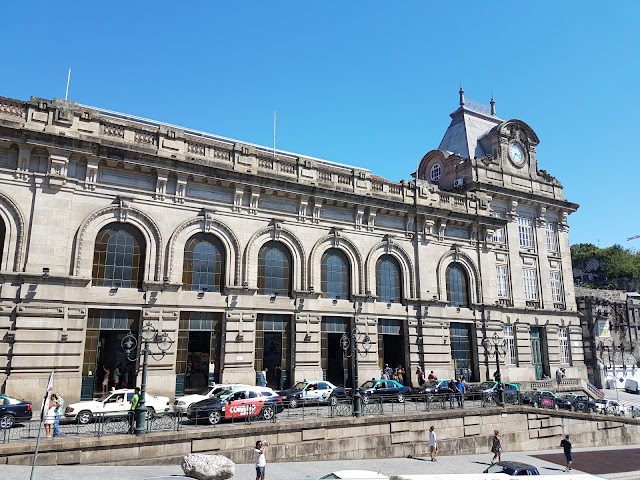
x: 365, y: 83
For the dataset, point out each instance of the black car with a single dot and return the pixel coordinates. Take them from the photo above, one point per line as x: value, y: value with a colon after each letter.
x: 510, y: 390
x: 577, y: 402
x: 434, y: 387
x: 541, y: 398
x: 386, y: 390
x: 12, y: 409
x: 512, y: 468
x: 238, y: 404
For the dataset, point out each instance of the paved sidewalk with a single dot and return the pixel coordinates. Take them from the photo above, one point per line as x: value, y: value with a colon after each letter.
x: 300, y: 470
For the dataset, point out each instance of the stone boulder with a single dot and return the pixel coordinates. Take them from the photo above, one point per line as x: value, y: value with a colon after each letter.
x: 208, y: 467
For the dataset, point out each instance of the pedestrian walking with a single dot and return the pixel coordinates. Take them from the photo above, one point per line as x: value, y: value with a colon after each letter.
x: 263, y: 377
x: 496, y: 447
x: 559, y: 376
x: 59, y: 404
x: 566, y: 445
x: 388, y: 370
x: 419, y: 375
x: 261, y: 461
x: 433, y: 444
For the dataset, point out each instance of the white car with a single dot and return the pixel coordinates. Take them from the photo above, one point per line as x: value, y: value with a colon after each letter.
x: 116, y: 402
x: 312, y: 391
x: 181, y: 404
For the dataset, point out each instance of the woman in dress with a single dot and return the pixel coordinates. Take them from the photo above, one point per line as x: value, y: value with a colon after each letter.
x: 50, y: 417
x: 496, y: 447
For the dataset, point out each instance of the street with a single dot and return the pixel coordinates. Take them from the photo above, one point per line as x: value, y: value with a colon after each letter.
x: 386, y: 466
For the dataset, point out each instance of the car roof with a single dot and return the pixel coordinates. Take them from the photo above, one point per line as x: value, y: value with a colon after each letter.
x: 512, y: 464
x: 359, y: 474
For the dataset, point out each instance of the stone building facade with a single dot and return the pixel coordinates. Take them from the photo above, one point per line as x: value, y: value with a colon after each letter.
x: 251, y: 258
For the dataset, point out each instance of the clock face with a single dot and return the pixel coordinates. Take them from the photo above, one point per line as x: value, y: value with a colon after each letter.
x: 516, y: 154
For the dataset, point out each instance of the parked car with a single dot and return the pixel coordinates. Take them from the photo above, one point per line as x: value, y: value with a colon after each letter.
x: 631, y: 386
x: 386, y: 390
x: 577, y: 402
x: 116, y: 402
x: 541, y: 398
x: 314, y: 391
x: 434, y: 387
x: 12, y: 409
x: 512, y: 468
x: 610, y: 407
x: 478, y: 390
x: 182, y: 403
x: 243, y: 402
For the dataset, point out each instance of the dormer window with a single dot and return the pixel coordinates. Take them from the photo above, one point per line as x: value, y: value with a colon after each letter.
x: 435, y: 173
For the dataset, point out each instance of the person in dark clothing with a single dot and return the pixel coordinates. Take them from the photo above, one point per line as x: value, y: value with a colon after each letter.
x: 566, y: 445
x: 453, y: 390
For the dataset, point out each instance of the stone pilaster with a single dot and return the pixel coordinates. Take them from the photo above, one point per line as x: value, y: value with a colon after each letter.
x: 239, y: 342
x: 306, y: 347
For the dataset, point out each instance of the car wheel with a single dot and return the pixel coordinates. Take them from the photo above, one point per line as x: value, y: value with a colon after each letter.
x: 333, y: 401
x: 293, y: 403
x: 535, y: 405
x: 214, y: 417
x: 84, y: 417
x: 365, y: 399
x: 400, y: 398
x: 622, y: 413
x: 555, y: 407
x: 151, y: 412
x: 267, y: 412
x: 7, y: 421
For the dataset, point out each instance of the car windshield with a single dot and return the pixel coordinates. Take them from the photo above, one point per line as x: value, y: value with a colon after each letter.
x: 299, y: 386
x: 496, y: 468
x: 431, y: 383
x: 9, y: 400
x: 368, y: 384
x: 205, y: 392
x: 104, y: 397
x: 485, y: 385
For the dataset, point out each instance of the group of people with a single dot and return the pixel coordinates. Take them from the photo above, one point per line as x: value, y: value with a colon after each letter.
x: 496, y: 447
x: 457, y: 389
x: 54, y: 408
x: 397, y: 374
x: 121, y: 377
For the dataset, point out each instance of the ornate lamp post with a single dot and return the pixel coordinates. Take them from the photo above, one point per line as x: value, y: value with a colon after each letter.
x: 351, y: 345
x: 496, y: 348
x: 129, y: 344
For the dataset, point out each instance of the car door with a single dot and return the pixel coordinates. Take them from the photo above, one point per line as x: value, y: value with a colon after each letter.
x: 114, y: 405
x: 311, y: 393
x: 324, y: 392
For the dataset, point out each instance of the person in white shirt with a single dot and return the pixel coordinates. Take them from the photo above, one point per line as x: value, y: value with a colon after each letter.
x: 261, y: 461
x: 433, y: 444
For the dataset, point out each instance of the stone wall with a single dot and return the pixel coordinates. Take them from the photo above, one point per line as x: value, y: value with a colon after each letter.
x: 398, y: 435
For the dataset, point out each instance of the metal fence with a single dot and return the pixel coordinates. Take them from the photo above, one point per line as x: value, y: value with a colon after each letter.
x: 247, y: 413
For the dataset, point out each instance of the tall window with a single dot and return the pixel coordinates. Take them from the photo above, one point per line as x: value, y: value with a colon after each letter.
x: 498, y: 235
x: 556, y: 287
x: 388, y: 280
x: 552, y: 236
x: 118, y: 258
x: 525, y: 231
x: 435, y: 173
x: 335, y: 274
x: 457, y: 286
x: 3, y: 233
x: 563, y: 338
x: 509, y: 338
x: 530, y: 281
x: 274, y: 269
x: 503, y: 281
x: 203, y: 266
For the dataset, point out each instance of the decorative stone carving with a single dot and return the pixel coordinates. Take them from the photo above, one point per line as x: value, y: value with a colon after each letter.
x: 92, y: 174
x: 371, y: 219
x: 513, y: 212
x: 359, y: 217
x: 181, y: 188
x: 316, y: 212
x: 161, y: 186
x: 237, y: 198
x: 208, y: 467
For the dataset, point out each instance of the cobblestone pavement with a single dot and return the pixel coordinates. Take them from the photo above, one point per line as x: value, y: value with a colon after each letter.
x: 312, y: 470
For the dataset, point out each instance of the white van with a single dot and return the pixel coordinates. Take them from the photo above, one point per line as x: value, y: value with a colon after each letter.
x: 631, y: 386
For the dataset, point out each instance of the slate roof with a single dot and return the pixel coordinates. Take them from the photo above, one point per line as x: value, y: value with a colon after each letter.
x: 469, y: 123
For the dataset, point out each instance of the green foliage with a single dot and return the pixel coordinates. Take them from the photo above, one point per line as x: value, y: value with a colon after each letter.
x: 619, y: 265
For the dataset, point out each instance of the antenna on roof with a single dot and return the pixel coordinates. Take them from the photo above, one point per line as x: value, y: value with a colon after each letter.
x: 493, y: 105
x: 274, y: 134
x: 66, y: 95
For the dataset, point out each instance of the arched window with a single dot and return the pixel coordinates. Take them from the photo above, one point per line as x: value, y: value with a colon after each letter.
x: 204, y: 264
x: 118, y: 258
x: 336, y: 278
x: 388, y: 280
x: 457, y: 286
x: 274, y: 269
x: 435, y: 173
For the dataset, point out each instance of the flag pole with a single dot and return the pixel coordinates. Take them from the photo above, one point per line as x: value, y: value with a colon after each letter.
x: 66, y: 95
x: 44, y: 405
